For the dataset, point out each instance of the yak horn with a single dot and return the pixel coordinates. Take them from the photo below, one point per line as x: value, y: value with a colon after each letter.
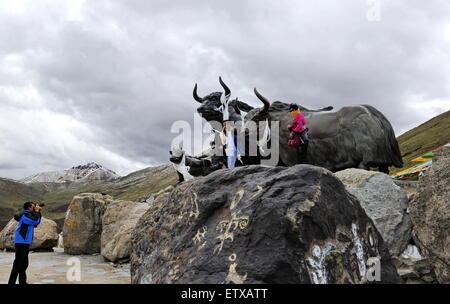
x: 227, y: 90
x: 264, y: 100
x: 196, y: 97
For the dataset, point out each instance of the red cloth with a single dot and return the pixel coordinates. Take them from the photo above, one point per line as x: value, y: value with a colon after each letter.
x: 299, y: 123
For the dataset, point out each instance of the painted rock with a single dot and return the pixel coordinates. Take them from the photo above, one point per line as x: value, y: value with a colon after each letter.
x: 259, y: 224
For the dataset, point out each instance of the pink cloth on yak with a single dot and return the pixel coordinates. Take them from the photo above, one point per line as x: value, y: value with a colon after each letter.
x: 299, y: 123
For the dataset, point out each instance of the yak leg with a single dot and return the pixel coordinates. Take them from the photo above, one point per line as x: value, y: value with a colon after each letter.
x: 299, y: 155
x: 304, y: 153
x: 180, y: 177
x: 384, y: 169
x: 363, y: 166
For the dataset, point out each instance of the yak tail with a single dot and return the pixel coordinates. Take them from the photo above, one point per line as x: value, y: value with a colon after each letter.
x: 391, y: 143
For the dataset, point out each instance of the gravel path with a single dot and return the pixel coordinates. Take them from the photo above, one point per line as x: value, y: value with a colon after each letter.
x: 52, y: 268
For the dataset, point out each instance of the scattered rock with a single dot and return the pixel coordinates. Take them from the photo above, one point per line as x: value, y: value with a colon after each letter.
x: 429, y: 279
x: 152, y: 196
x: 83, y: 223
x: 384, y: 202
x: 411, y: 252
x: 118, y: 223
x: 408, y: 273
x: 430, y: 214
x: 259, y: 224
x: 45, y: 235
x: 414, y: 271
x: 408, y: 186
x: 60, y: 240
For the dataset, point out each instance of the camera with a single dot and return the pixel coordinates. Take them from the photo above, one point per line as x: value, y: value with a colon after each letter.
x: 41, y: 205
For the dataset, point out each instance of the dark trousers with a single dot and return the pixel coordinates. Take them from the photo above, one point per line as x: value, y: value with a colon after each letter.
x: 302, y: 151
x: 20, y: 264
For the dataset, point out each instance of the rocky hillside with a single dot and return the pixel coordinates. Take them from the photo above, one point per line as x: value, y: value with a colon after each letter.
x: 57, y: 195
x: 424, y: 138
x: 430, y: 214
x: 88, y: 172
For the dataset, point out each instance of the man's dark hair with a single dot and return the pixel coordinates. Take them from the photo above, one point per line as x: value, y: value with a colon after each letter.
x: 293, y: 107
x: 27, y: 205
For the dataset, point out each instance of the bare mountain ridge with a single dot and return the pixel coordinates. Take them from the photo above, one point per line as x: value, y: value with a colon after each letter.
x: 88, y: 172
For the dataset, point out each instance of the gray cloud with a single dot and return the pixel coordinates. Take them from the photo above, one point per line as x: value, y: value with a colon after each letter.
x: 104, y: 80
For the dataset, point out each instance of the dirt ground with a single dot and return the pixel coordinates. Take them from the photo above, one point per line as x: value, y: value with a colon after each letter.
x: 53, y: 268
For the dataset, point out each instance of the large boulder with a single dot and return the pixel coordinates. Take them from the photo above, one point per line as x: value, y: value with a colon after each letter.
x: 83, y: 223
x: 45, y: 235
x: 118, y: 223
x: 259, y: 224
x: 384, y: 202
x: 430, y: 214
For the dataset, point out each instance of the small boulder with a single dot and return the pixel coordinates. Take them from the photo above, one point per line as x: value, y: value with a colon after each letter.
x: 415, y: 270
x: 83, y: 223
x: 45, y: 235
x: 152, y: 196
x: 384, y: 202
x: 430, y: 214
x: 118, y: 223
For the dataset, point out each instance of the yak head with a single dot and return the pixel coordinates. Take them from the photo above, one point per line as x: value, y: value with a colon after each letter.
x: 214, y: 105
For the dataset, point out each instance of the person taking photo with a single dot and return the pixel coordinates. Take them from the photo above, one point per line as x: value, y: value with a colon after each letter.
x: 28, y: 219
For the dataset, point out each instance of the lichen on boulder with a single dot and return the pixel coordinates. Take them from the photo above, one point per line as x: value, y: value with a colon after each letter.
x: 83, y: 223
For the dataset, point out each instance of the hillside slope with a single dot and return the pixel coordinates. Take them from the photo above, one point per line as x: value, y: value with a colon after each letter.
x: 57, y: 196
x: 424, y: 138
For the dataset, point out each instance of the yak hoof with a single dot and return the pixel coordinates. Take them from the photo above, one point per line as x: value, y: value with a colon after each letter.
x: 363, y: 166
x: 384, y: 169
x: 180, y: 177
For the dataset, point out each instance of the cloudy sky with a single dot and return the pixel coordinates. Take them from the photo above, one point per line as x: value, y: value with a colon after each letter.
x: 103, y: 81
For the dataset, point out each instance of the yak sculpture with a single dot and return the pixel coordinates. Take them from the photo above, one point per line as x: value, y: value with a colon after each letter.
x: 211, y: 107
x: 188, y: 167
x: 352, y: 137
x: 214, y: 107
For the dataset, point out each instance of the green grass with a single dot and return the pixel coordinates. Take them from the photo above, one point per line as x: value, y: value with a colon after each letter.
x: 424, y: 138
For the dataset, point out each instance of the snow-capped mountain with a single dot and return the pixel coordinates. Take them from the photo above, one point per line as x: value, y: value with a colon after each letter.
x: 88, y: 172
